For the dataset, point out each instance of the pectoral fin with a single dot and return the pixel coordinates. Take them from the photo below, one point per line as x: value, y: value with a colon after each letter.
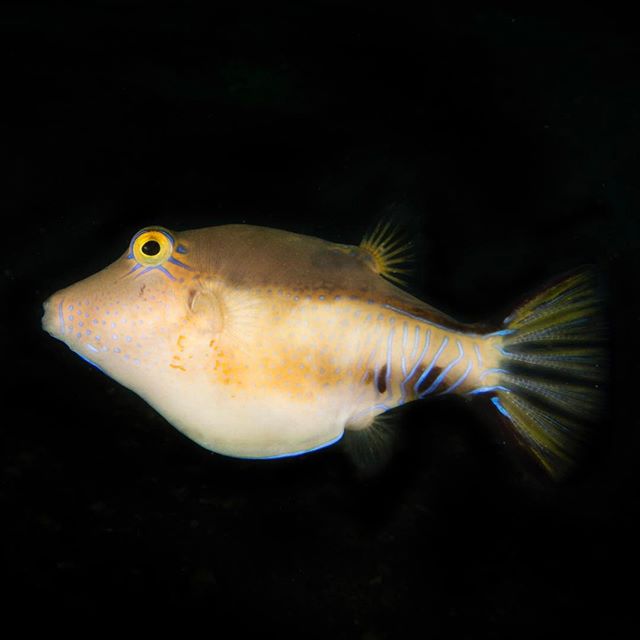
x: 207, y: 312
x: 371, y: 448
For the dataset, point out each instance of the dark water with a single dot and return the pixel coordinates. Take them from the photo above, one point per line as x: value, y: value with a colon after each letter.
x: 507, y: 144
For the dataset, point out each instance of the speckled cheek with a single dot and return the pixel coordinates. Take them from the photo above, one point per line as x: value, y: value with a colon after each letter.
x: 113, y: 328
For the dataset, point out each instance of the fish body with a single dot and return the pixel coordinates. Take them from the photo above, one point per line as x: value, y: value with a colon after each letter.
x: 262, y: 343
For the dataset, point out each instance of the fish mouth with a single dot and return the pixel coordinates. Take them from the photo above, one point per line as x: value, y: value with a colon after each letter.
x: 53, y: 318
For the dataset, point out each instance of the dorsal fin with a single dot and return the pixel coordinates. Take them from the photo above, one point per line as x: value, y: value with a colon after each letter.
x: 387, y: 247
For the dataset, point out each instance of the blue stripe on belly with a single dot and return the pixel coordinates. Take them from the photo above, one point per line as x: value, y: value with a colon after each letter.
x: 298, y: 453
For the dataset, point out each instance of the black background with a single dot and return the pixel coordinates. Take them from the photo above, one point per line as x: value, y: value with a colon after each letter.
x: 504, y: 139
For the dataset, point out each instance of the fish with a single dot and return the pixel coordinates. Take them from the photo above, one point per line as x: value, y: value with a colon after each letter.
x: 263, y: 343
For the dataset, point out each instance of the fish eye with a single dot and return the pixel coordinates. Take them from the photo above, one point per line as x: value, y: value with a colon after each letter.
x: 152, y: 247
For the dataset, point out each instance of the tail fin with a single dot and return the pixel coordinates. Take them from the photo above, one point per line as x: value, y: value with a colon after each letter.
x: 551, y: 370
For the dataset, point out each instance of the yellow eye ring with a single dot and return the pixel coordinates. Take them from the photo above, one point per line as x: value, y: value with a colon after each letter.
x: 152, y: 247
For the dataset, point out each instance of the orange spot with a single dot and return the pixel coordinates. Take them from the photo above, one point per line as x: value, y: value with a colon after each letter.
x: 177, y: 366
x: 180, y: 345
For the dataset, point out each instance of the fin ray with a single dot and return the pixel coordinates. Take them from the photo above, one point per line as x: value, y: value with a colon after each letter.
x: 552, y: 369
x: 371, y: 448
x: 387, y: 247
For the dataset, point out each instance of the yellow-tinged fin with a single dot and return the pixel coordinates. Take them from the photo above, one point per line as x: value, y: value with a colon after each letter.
x: 552, y: 367
x: 388, y: 248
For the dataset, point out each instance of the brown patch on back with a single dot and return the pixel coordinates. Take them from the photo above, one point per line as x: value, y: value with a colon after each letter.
x: 381, y: 380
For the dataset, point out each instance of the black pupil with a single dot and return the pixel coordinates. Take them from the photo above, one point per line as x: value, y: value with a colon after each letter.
x: 151, y: 248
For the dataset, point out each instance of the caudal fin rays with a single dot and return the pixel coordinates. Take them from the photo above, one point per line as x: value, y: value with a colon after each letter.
x: 553, y: 370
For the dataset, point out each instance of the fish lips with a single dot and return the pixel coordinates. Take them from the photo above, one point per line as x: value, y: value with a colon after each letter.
x: 53, y: 318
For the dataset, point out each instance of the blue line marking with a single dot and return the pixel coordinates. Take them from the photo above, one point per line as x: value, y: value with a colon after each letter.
x: 380, y: 406
x: 486, y: 372
x: 179, y: 263
x: 416, y: 342
x: 404, y: 347
x: 501, y: 350
x: 182, y: 249
x: 159, y: 268
x: 495, y: 387
x: 89, y: 361
x: 500, y: 408
x: 420, y: 319
x: 411, y: 315
x: 459, y: 381
x: 387, y: 380
x: 445, y: 371
x: 167, y: 273
x: 426, y: 372
x: 299, y: 453
x: 135, y: 268
x: 143, y: 271
x: 502, y: 332
x: 427, y: 340
x: 476, y: 348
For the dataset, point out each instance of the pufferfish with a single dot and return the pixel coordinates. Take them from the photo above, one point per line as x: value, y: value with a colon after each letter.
x: 261, y: 343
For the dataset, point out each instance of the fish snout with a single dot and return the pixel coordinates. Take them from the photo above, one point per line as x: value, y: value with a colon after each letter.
x: 53, y: 318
